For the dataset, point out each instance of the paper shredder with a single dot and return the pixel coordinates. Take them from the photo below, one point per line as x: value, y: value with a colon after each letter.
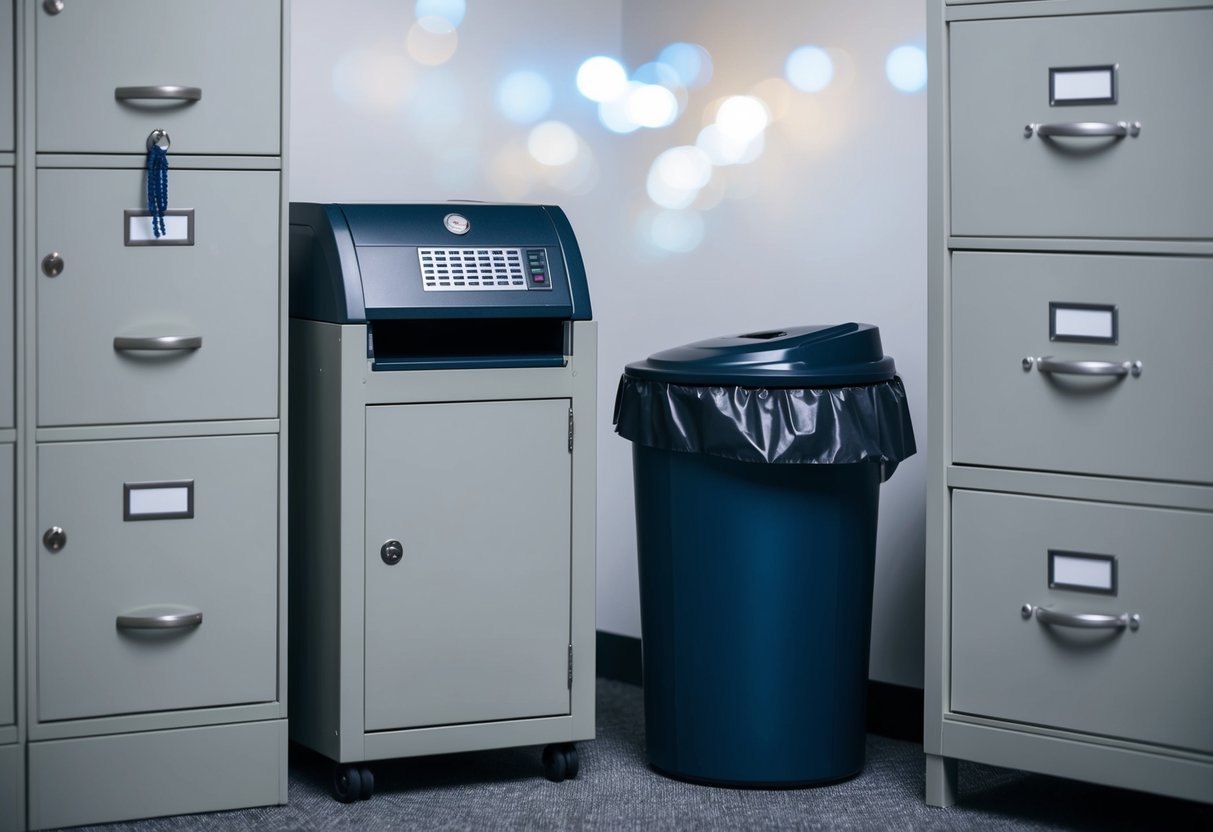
x: 442, y: 462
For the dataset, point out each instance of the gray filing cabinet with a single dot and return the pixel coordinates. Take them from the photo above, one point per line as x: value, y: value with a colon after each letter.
x: 1070, y: 507
x: 443, y: 389
x: 12, y: 725
x: 153, y: 529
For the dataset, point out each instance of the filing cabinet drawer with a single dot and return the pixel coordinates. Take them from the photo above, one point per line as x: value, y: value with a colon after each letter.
x: 8, y: 135
x: 1155, y: 184
x: 156, y: 531
x: 7, y: 321
x: 8, y: 598
x: 1011, y: 409
x: 1150, y: 684
x: 208, y: 73
x: 218, y: 297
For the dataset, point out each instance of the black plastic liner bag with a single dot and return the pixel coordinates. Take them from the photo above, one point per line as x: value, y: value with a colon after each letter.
x: 771, y: 420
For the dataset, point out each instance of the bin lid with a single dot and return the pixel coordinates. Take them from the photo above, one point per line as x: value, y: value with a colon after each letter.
x: 799, y: 356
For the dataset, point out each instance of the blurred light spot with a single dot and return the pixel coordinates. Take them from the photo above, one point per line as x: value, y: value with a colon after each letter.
x: 524, y: 96
x: 677, y: 176
x: 651, y: 106
x: 810, y: 69
x: 451, y: 11
x: 658, y: 73
x: 906, y: 68
x: 615, y: 116
x: 677, y: 231
x: 372, y: 80
x: 686, y: 167
x: 742, y: 117
x: 776, y: 94
x: 552, y: 143
x: 663, y: 75
x: 602, y: 79
x: 690, y: 62
x: 432, y: 41
x: 723, y: 148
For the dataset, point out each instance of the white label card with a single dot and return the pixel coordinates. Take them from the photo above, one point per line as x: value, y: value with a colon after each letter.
x: 178, y: 229
x: 159, y: 501
x: 1089, y: 323
x: 1083, y: 85
x: 1094, y: 573
x: 1083, y: 323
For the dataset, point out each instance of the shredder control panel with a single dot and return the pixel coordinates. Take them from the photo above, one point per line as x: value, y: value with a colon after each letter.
x: 362, y: 263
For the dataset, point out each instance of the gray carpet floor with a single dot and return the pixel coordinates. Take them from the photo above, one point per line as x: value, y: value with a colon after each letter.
x: 616, y: 790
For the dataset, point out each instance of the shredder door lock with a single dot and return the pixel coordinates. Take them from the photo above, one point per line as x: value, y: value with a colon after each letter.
x: 391, y: 552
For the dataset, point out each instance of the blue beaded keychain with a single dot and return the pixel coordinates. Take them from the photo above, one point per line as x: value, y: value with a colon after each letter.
x: 157, y: 180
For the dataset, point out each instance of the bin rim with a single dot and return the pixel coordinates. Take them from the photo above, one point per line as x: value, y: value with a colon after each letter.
x: 839, y: 355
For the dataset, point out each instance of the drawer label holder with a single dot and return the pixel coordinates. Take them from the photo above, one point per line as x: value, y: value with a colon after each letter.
x: 178, y: 228
x: 167, y: 500
x: 1082, y: 572
x: 1084, y: 323
x: 1075, y: 85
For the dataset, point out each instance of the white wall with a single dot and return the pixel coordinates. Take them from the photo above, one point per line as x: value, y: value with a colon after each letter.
x: 826, y: 225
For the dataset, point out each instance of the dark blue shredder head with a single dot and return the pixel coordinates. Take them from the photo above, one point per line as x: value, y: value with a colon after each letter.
x: 801, y: 356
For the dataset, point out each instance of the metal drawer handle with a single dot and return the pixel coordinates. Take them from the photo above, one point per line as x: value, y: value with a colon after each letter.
x: 163, y: 92
x: 1082, y: 620
x: 160, y: 618
x: 162, y: 343
x: 1049, y: 364
x: 1085, y: 129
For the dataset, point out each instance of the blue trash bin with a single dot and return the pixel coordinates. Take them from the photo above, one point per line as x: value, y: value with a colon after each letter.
x: 758, y: 461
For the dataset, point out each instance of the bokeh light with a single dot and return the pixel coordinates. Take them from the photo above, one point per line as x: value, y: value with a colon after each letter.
x: 614, y: 114
x: 524, y: 96
x: 723, y: 148
x: 677, y: 175
x: 809, y: 69
x: 691, y: 63
x: 432, y: 41
x: 658, y: 73
x: 452, y: 11
x: 906, y: 68
x: 602, y: 79
x: 650, y: 105
x: 552, y: 143
x: 742, y: 117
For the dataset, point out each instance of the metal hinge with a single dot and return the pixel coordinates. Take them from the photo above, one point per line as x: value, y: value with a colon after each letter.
x: 570, y: 667
x: 570, y: 431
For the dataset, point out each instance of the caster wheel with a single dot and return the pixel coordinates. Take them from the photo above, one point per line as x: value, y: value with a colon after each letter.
x: 347, y: 783
x: 368, y: 783
x: 560, y: 762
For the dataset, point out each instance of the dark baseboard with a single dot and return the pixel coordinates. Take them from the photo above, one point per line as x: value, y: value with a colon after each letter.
x: 893, y: 710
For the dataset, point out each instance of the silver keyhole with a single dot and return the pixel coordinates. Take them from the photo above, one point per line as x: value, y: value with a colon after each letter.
x: 52, y: 264
x: 391, y: 552
x: 54, y: 539
x: 52, y: 6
